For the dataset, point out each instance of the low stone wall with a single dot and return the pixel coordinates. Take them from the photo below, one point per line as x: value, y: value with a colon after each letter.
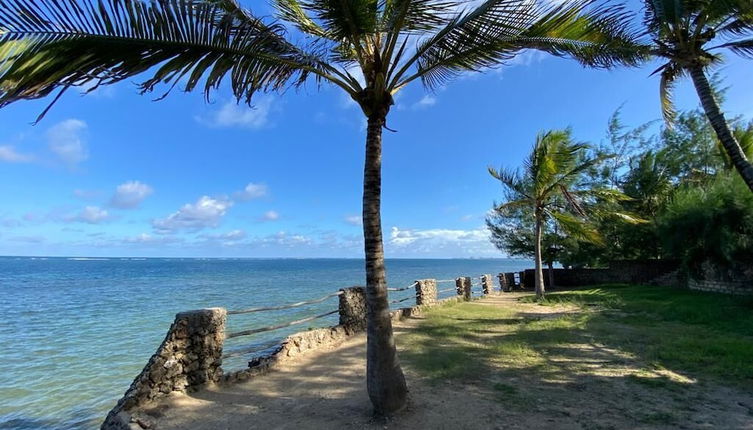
x: 426, y: 292
x: 737, y: 280
x: 487, y: 284
x: 738, y: 288
x: 190, y: 356
x: 463, y: 287
x: 622, y: 272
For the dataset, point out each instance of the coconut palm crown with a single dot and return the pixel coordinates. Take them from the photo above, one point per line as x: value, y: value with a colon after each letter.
x: 690, y: 36
x: 551, y: 188
x: 369, y: 48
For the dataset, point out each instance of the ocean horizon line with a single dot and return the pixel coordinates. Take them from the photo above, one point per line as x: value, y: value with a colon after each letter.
x: 136, y: 257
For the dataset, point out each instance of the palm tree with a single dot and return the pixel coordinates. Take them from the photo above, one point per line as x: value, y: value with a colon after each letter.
x: 688, y: 35
x: 550, y: 187
x: 370, y: 49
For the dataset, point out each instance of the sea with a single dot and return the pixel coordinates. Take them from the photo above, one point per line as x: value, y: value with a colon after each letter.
x: 75, y: 332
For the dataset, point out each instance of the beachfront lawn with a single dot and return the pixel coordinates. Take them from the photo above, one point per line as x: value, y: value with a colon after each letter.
x: 607, y: 356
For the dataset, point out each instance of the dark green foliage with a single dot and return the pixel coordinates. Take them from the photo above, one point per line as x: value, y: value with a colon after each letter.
x: 713, y: 222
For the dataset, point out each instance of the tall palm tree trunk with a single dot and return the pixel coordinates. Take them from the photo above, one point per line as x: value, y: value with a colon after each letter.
x: 539, y: 275
x: 720, y: 125
x: 384, y: 377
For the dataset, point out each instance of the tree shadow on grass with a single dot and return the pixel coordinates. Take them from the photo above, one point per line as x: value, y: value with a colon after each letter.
x: 545, y: 364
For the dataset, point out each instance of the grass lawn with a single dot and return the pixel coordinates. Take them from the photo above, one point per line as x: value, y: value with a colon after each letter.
x: 647, y: 356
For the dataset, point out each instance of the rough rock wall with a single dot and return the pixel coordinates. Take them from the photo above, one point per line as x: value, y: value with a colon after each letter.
x: 463, y: 287
x: 426, y: 292
x: 189, y: 357
x: 487, y: 284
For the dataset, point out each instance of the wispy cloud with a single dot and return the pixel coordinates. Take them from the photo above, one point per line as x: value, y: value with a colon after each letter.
x: 425, y: 102
x: 66, y: 141
x: 231, y: 236
x: 270, y: 216
x: 232, y: 114
x: 472, y: 243
x: 130, y: 195
x: 9, y: 154
x: 353, y: 220
x: 89, y: 215
x: 206, y: 212
x: 252, y: 191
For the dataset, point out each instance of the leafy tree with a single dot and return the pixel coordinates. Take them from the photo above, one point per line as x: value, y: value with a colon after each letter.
x: 688, y: 34
x: 711, y: 223
x: 549, y: 188
x: 370, y: 49
x: 512, y: 231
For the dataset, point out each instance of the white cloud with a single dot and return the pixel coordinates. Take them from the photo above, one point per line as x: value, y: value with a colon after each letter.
x: 282, y: 239
x: 232, y: 114
x: 89, y: 215
x: 270, y: 216
x: 66, y: 140
x: 130, y: 194
x: 9, y: 154
x: 148, y: 239
x: 425, y: 102
x: 231, y: 236
x: 206, y: 212
x: 252, y: 191
x: 447, y: 242
x: 353, y: 220
x: 527, y: 58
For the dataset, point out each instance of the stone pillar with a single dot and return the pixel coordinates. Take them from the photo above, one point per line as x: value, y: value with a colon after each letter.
x: 189, y: 357
x: 502, y: 282
x: 487, y: 284
x: 353, y: 307
x: 426, y: 291
x: 463, y: 287
x: 506, y: 281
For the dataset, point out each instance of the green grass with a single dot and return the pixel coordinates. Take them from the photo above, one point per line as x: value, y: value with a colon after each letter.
x: 691, y: 334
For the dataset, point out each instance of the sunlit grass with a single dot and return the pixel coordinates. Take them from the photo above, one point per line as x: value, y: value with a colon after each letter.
x: 624, y: 329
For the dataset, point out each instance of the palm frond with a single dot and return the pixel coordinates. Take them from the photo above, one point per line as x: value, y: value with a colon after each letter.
x: 513, y: 181
x: 55, y: 45
x: 293, y: 11
x: 345, y: 19
x: 499, y: 29
x: 743, y: 48
x: 669, y: 73
x: 408, y: 16
x: 577, y: 228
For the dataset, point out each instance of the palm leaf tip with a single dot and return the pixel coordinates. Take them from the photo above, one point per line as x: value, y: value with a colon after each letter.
x: 48, y: 46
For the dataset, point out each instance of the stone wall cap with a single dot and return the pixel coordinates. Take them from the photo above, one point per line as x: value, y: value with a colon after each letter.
x: 202, y: 311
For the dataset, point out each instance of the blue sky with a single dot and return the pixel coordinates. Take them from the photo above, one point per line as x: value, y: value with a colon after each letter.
x: 115, y: 174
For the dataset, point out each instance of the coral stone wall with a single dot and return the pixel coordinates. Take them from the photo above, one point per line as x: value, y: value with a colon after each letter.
x: 190, y: 356
x: 426, y: 292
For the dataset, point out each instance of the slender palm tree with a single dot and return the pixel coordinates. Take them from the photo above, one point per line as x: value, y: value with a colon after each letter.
x: 369, y: 48
x: 550, y: 186
x: 689, y: 34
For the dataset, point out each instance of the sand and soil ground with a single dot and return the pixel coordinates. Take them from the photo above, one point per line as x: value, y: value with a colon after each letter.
x: 600, y: 358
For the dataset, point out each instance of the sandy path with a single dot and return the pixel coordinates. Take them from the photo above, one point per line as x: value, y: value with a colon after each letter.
x: 325, y: 389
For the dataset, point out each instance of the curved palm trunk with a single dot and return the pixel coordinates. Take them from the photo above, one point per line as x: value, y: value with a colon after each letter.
x: 384, y: 377
x: 719, y: 123
x: 539, y: 275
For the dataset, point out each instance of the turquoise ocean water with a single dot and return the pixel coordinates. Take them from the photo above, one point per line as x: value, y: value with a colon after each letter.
x: 75, y: 332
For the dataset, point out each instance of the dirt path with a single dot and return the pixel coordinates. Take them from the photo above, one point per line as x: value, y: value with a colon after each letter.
x: 325, y: 389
